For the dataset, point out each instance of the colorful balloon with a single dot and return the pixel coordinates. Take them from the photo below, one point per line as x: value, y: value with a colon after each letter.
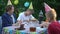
x: 26, y: 4
x: 16, y: 2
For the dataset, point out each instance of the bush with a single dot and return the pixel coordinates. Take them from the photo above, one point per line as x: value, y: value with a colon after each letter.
x: 37, y: 5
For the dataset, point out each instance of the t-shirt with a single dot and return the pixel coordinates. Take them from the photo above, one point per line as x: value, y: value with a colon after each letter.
x: 54, y: 28
x: 22, y: 17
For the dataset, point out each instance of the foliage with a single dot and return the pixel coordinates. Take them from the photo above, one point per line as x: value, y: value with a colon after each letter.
x: 37, y: 5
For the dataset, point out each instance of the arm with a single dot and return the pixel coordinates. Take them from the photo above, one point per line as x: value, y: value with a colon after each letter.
x: 50, y: 29
x: 18, y: 23
x: 33, y: 18
x: 19, y: 19
x: 4, y: 21
x: 54, y: 29
x: 44, y: 24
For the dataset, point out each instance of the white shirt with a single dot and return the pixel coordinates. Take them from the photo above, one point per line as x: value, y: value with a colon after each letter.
x: 13, y: 19
x: 23, y: 17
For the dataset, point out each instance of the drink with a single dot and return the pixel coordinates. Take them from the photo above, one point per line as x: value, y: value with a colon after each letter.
x: 32, y: 29
x: 21, y: 27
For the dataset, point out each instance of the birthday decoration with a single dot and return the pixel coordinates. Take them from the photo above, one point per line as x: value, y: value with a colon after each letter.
x: 26, y: 4
x: 41, y: 12
x: 9, y: 2
x: 31, y: 6
x: 47, y: 7
x: 16, y: 2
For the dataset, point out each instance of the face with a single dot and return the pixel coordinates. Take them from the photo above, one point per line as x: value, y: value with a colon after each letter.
x: 47, y: 17
x: 28, y: 12
x: 12, y: 10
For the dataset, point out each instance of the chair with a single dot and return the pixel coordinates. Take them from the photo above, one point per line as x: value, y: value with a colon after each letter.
x: 0, y: 25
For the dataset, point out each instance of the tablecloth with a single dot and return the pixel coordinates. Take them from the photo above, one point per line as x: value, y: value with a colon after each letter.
x: 11, y: 29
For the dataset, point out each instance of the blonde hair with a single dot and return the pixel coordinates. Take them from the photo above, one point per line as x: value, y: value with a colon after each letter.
x: 52, y: 14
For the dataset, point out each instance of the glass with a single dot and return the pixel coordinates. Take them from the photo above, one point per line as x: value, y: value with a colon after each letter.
x: 21, y: 27
x: 32, y: 29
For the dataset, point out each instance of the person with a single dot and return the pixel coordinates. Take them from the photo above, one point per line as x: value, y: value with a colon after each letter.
x: 25, y: 16
x: 8, y: 18
x: 45, y: 23
x: 54, y: 26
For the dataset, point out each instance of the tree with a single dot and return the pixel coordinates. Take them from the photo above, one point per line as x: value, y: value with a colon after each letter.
x: 37, y: 5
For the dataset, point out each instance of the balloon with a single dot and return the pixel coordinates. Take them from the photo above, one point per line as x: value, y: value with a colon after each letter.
x: 26, y: 4
x: 16, y: 2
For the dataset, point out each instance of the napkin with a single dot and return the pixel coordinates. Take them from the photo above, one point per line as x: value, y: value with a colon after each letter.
x: 39, y: 29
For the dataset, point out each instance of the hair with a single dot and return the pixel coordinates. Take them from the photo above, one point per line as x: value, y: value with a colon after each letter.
x: 52, y: 14
x: 32, y: 11
x: 9, y: 7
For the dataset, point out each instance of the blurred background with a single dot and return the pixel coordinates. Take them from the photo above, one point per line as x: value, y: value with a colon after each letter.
x: 22, y: 5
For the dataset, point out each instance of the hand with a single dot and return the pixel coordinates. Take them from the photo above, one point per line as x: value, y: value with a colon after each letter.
x: 16, y: 24
x: 34, y: 20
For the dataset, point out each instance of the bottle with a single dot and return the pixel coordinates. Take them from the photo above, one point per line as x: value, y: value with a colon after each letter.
x: 40, y: 16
